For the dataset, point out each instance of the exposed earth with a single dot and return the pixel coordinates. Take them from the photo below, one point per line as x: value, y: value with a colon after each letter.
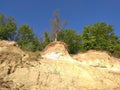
x: 55, y: 69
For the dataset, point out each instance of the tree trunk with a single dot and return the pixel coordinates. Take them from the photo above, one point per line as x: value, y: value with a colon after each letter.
x: 56, y: 37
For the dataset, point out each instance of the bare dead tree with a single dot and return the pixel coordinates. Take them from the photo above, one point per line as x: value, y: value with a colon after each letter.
x: 57, y: 25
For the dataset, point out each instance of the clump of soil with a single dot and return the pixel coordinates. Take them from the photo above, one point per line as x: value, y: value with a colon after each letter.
x: 56, y: 50
x: 56, y: 46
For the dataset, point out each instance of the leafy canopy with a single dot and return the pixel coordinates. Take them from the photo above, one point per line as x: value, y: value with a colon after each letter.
x: 26, y: 39
x: 98, y: 36
x: 7, y: 28
x: 71, y: 38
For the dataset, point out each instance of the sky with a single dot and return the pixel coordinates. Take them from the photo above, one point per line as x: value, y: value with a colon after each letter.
x: 78, y: 13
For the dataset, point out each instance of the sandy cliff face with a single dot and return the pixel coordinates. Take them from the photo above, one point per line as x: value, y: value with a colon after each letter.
x: 55, y: 69
x: 56, y: 51
x: 98, y: 59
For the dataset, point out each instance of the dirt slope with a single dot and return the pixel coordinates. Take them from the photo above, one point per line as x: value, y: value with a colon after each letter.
x: 98, y: 59
x: 55, y: 69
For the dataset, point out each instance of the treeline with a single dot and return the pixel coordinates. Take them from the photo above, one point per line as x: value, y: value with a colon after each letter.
x: 98, y: 36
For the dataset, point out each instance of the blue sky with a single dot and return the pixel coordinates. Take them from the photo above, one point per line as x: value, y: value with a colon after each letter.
x: 78, y: 13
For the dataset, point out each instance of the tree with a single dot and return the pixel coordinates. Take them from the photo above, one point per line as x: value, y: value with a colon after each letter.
x: 46, y: 39
x: 7, y: 28
x: 36, y: 44
x: 26, y: 39
x: 57, y: 25
x: 116, y: 50
x: 71, y: 38
x: 99, y: 36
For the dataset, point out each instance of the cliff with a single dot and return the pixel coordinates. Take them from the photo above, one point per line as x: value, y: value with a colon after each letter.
x: 55, y: 69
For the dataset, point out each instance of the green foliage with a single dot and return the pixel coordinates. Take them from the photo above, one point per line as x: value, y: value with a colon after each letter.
x: 116, y: 50
x: 27, y: 40
x: 71, y: 39
x: 7, y: 28
x: 98, y: 36
x: 46, y: 39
